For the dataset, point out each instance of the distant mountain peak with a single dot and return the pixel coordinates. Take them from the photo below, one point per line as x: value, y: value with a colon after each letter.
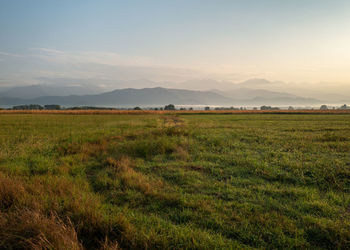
x: 256, y: 81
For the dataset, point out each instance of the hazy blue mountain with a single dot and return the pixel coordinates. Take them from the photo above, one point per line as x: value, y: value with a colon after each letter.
x: 34, y: 91
x: 200, y: 84
x: 25, y: 92
x: 255, y: 82
x: 161, y: 96
x: 156, y: 96
x: 280, y: 101
x: 11, y: 101
x: 248, y: 93
x: 248, y: 96
x: 329, y: 92
x: 129, y: 97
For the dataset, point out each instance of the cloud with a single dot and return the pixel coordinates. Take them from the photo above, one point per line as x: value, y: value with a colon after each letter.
x: 48, y: 62
x: 102, y: 67
x: 94, y: 57
x: 10, y: 54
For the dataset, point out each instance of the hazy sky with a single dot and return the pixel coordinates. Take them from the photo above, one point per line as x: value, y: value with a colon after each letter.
x: 294, y: 40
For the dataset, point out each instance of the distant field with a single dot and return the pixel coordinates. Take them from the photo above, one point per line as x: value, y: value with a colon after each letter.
x: 174, y: 180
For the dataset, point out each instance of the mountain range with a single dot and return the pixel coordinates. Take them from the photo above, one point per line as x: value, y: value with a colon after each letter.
x: 253, y: 92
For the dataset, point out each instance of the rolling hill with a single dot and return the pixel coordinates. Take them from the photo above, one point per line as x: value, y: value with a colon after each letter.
x: 157, y: 97
x: 128, y: 97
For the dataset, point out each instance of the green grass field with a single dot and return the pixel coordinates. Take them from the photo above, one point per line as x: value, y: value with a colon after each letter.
x: 162, y: 181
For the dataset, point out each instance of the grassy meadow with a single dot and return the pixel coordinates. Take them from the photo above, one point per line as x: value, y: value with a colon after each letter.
x: 174, y: 181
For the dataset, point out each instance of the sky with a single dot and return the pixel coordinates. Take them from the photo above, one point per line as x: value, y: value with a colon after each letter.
x: 174, y: 40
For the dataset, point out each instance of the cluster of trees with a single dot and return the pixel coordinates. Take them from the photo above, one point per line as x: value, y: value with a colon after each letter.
x: 228, y: 108
x: 90, y: 108
x: 166, y: 107
x: 264, y: 107
x: 37, y: 107
x: 325, y: 107
x: 56, y: 107
x: 169, y: 107
x: 268, y: 108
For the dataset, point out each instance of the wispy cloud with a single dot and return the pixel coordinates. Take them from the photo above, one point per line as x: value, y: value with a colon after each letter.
x: 96, y: 57
x: 48, y: 62
x: 10, y: 54
x: 106, y: 67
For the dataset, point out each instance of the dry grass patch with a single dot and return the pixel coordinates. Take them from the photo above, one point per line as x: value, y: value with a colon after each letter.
x: 124, y: 170
x: 30, y: 229
x: 181, y: 154
x: 25, y: 225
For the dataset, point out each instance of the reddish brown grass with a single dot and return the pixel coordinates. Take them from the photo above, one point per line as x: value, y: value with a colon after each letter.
x: 31, y: 229
x: 130, y: 178
x: 144, y: 112
x: 55, y: 213
x: 25, y: 225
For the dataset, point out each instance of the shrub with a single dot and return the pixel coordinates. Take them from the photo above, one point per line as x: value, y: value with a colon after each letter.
x: 169, y: 107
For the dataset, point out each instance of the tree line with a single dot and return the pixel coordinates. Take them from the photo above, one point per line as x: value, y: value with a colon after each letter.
x: 166, y: 107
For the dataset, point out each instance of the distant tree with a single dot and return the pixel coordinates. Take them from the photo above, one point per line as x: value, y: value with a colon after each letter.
x: 207, y: 108
x: 190, y: 108
x: 323, y: 107
x: 137, y: 108
x: 182, y: 108
x: 35, y: 107
x: 20, y: 107
x: 268, y: 108
x: 255, y: 108
x: 155, y: 108
x: 28, y: 107
x: 344, y: 107
x: 52, y: 107
x: 233, y: 108
x: 264, y: 107
x: 169, y: 107
x: 290, y: 108
x: 90, y: 108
